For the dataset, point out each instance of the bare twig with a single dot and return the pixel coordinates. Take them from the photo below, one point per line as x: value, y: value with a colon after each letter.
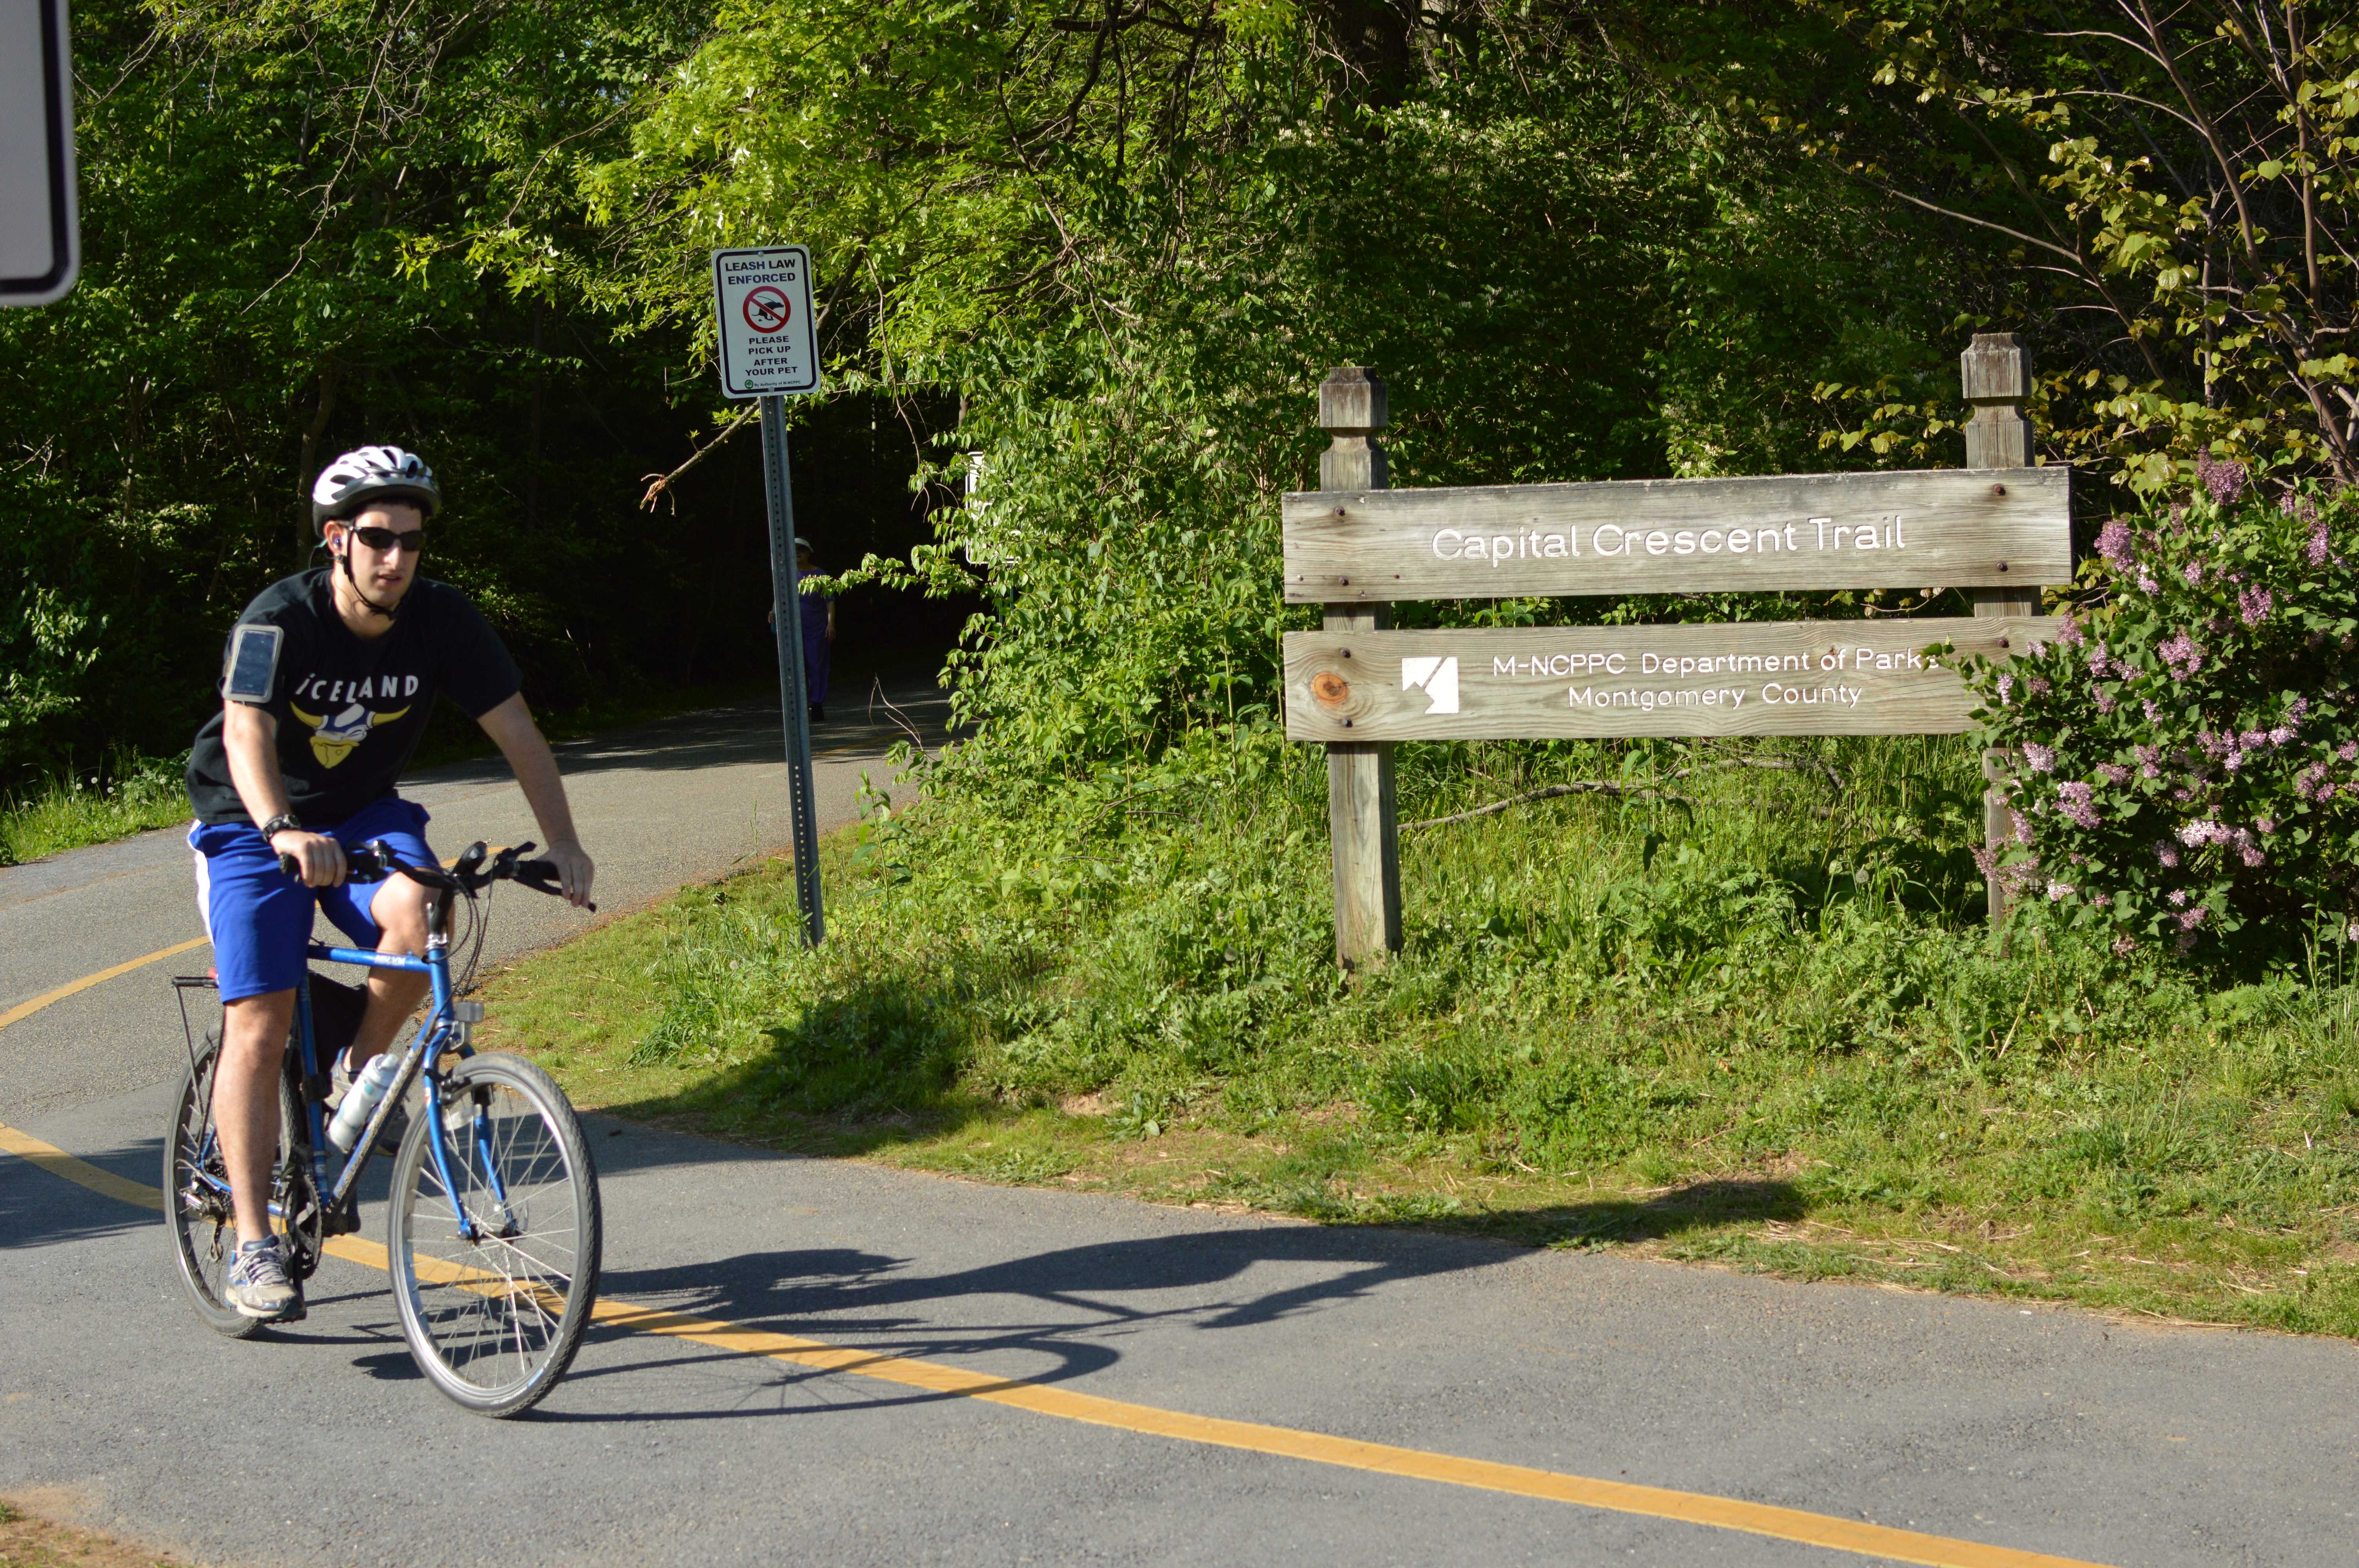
x: 1602, y: 787
x: 1549, y: 791
x: 662, y: 482
x: 875, y: 696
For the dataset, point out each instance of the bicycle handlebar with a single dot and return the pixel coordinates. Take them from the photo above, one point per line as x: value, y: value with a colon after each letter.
x: 376, y: 859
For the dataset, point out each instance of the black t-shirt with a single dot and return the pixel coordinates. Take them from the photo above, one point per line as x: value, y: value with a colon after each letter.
x: 350, y: 709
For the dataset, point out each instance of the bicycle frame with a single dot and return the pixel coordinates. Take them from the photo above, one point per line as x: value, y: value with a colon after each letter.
x: 446, y: 1028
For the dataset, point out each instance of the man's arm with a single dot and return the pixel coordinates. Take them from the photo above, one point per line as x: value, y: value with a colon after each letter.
x: 511, y: 728
x: 250, y: 737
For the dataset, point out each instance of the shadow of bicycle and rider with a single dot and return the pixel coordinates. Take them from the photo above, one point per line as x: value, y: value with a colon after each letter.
x: 1048, y: 1317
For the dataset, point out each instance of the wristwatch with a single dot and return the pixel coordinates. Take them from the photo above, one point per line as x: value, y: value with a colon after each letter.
x: 279, y: 824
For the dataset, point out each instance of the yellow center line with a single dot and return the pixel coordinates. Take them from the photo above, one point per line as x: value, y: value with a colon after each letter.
x: 25, y: 1010
x: 1314, y: 1447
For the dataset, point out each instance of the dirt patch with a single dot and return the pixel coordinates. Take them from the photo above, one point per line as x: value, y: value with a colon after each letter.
x: 28, y: 1540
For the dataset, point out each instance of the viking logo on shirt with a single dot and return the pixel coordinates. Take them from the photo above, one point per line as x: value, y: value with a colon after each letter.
x: 333, y: 740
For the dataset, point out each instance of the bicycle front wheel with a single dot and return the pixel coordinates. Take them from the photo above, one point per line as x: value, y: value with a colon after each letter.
x: 494, y: 1269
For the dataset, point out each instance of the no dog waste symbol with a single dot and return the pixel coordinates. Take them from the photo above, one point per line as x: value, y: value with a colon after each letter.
x: 768, y: 308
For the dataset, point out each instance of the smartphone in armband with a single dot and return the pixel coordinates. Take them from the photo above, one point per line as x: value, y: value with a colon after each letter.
x: 253, y: 669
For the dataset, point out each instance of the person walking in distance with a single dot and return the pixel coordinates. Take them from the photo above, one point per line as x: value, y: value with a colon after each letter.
x: 816, y: 612
x: 327, y: 682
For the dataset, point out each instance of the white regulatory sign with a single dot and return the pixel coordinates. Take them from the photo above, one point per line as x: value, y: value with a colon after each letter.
x: 40, y: 240
x: 761, y: 299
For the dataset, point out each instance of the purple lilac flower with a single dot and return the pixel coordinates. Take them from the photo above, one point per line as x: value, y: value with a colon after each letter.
x: 2069, y: 633
x: 2166, y: 852
x: 2192, y: 918
x: 2101, y: 900
x: 2021, y: 824
x: 2280, y: 735
x: 2296, y: 711
x: 2059, y: 892
x: 2037, y: 686
x: 2042, y: 758
x: 2348, y: 751
x: 2225, y: 481
x: 2103, y: 699
x: 2317, y: 551
x: 2113, y: 773
x: 2074, y: 801
x: 2266, y: 823
x: 2113, y: 544
x: 2191, y: 574
x: 2153, y: 714
x: 2311, y: 784
x: 2182, y: 655
x: 2255, y: 604
x: 2150, y: 761
x: 2179, y: 898
x: 2145, y: 582
x: 2006, y: 688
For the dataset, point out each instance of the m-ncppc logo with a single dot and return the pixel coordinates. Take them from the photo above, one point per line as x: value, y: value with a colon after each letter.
x: 1437, y: 677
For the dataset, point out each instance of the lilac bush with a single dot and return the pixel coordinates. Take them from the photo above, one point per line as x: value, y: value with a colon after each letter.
x: 2187, y: 745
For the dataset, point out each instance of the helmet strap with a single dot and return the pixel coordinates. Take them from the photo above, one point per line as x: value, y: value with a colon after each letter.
x: 344, y: 560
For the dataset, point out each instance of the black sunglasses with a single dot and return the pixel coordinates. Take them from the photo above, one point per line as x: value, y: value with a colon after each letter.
x: 383, y: 539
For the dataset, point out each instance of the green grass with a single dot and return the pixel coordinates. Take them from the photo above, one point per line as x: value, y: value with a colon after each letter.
x: 1762, y: 1026
x: 67, y: 811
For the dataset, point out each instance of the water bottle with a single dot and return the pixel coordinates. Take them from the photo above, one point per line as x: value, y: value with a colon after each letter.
x: 359, y: 1103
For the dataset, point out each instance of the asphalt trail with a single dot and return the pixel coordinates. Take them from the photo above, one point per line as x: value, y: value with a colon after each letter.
x: 2049, y: 1430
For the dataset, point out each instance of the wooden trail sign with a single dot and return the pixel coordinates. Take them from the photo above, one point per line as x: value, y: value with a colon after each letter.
x: 1956, y: 527
x: 1790, y: 677
x: 2000, y: 528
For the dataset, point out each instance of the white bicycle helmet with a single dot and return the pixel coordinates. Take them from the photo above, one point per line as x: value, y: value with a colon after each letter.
x: 373, y: 473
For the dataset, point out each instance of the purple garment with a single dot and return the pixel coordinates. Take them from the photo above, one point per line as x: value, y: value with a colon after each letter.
x: 817, y: 649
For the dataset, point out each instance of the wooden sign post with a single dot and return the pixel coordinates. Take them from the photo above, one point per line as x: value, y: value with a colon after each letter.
x: 2000, y: 527
x: 1362, y: 823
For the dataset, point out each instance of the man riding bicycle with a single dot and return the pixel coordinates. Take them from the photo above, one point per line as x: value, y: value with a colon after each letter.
x: 327, y: 684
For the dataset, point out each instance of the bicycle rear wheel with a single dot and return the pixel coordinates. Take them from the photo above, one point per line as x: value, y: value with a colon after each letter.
x: 494, y: 1279
x: 196, y: 1190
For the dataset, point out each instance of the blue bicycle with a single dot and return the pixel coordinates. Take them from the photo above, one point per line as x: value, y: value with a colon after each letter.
x: 493, y: 1234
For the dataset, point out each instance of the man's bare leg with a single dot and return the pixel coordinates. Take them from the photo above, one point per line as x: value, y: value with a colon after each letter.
x: 400, y: 911
x: 246, y: 1101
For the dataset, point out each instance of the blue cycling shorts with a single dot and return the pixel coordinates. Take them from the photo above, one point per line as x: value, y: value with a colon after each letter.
x: 260, y: 918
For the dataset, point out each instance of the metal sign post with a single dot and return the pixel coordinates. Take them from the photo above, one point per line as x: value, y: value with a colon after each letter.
x: 761, y: 307
x: 40, y: 241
